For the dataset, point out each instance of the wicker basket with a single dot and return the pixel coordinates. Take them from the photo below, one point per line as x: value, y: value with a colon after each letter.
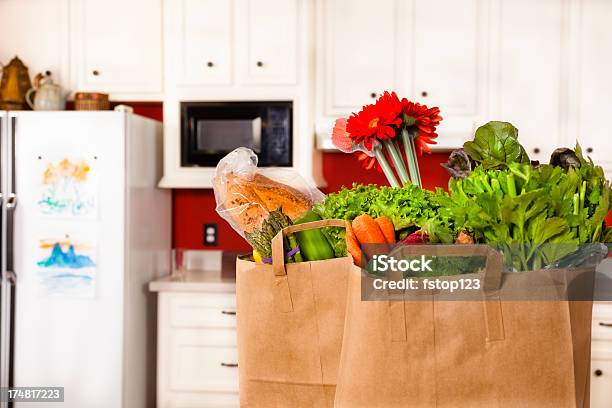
x: 91, y: 101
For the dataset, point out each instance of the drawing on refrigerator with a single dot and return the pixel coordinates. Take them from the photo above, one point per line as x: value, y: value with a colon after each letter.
x: 67, y: 188
x: 66, y: 267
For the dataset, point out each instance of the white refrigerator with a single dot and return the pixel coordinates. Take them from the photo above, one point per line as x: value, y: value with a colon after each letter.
x: 84, y: 228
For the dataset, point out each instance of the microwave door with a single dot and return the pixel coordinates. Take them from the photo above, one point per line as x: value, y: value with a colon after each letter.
x: 256, y: 124
x: 219, y: 136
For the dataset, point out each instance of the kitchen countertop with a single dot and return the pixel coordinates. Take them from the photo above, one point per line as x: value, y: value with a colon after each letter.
x: 195, y: 281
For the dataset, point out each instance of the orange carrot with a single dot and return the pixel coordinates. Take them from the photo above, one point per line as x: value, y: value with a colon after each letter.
x: 367, y: 230
x: 352, y: 245
x: 386, y: 226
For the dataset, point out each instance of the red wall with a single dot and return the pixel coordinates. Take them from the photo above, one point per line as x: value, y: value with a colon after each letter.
x: 193, y: 208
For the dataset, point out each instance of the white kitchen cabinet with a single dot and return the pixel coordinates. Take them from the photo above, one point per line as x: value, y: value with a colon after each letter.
x: 232, y: 43
x: 204, y: 33
x: 431, y: 52
x: 37, y: 32
x: 117, y: 47
x: 360, y: 53
x: 197, y: 356
x: 527, y: 70
x: 592, y: 82
x: 445, y: 58
x: 269, y: 31
x: 601, y: 351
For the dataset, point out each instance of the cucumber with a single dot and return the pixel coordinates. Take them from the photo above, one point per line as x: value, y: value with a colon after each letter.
x: 313, y: 244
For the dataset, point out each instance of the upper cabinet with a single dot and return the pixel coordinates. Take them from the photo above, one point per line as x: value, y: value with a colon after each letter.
x: 118, y: 48
x: 359, y: 60
x: 204, y: 39
x: 37, y: 32
x: 231, y: 42
x: 528, y: 68
x: 445, y: 56
x: 432, y: 52
x: 111, y: 46
x: 591, y: 86
x: 268, y: 31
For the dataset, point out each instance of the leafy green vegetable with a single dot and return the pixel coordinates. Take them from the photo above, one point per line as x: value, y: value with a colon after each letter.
x: 459, y: 163
x: 535, y: 216
x: 406, y: 207
x: 495, y: 145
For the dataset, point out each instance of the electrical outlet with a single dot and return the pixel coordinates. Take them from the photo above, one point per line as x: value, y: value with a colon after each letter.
x: 210, y: 234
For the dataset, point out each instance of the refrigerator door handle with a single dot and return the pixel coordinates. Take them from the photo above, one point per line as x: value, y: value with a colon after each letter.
x: 11, y: 201
x: 11, y: 164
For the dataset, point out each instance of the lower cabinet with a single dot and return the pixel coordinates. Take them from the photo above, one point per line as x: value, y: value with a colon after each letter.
x: 197, y: 354
x: 601, y: 353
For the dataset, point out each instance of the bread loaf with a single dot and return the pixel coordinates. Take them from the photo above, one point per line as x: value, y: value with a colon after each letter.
x: 249, y: 199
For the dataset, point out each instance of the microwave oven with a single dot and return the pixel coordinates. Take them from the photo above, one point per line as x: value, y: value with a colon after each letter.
x: 210, y: 130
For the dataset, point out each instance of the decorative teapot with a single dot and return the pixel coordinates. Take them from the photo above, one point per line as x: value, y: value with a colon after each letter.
x: 48, y: 96
x: 14, y: 85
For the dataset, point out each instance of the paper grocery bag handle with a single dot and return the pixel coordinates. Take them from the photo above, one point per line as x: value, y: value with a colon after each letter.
x: 493, y: 270
x: 491, y: 285
x: 278, y: 252
x: 281, y: 290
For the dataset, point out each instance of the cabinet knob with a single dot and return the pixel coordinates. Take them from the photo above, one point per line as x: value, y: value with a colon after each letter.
x: 373, y: 95
x: 259, y: 64
x: 598, y: 373
x: 47, y: 73
x: 536, y: 150
x: 424, y: 94
x: 589, y: 150
x: 210, y: 64
x: 95, y: 72
x: 228, y: 312
x: 229, y: 364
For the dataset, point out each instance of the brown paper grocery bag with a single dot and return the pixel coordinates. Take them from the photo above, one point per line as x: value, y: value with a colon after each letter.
x: 489, y: 353
x: 290, y: 323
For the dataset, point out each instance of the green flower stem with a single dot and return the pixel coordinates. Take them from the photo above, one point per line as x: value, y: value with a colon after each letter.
x: 398, y: 162
x: 382, y: 160
x: 416, y: 161
x: 411, y: 158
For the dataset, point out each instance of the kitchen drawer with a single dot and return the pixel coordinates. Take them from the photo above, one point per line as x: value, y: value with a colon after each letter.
x: 203, y: 400
x: 215, y: 310
x: 196, y: 363
x: 601, y: 383
x: 602, y: 321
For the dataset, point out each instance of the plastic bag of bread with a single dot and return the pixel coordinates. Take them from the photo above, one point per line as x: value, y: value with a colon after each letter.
x: 246, y: 194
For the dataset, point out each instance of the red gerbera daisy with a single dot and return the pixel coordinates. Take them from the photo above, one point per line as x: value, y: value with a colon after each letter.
x: 423, y: 121
x: 341, y: 138
x: 376, y: 122
x: 368, y: 162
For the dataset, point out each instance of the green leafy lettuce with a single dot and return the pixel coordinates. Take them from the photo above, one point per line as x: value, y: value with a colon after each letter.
x: 408, y: 206
x: 495, y: 145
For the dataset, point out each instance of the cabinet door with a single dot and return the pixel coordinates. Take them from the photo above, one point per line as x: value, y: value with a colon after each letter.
x: 37, y: 32
x: 594, y: 82
x: 205, y: 38
x: 446, y: 54
x: 601, y: 381
x: 360, y: 53
x: 118, y: 45
x: 529, y: 58
x: 270, y: 40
